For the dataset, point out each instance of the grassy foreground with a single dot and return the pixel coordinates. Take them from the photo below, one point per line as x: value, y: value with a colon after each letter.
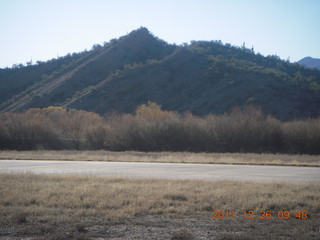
x: 87, y: 207
x: 173, y: 157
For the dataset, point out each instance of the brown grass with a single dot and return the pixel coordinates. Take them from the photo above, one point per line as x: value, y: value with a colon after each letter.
x: 80, y: 203
x: 173, y: 157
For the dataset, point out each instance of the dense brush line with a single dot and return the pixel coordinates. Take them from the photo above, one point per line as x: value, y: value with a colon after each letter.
x: 153, y: 129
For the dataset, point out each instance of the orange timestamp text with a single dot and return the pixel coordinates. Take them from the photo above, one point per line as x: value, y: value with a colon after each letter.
x: 264, y: 214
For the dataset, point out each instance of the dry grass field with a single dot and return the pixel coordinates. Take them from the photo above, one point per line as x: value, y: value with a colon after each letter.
x: 88, y: 207
x: 173, y: 157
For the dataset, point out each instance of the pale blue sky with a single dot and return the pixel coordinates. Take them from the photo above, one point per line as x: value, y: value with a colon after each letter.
x: 43, y: 29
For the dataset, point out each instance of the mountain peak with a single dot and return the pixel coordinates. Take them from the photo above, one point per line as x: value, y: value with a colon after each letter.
x: 142, y: 31
x: 141, y: 35
x: 144, y: 42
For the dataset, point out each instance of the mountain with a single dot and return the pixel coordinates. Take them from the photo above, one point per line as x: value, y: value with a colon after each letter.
x: 203, y: 77
x: 310, y: 62
x: 39, y: 87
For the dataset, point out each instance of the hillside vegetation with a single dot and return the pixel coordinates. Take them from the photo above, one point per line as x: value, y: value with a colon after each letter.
x: 153, y: 129
x: 203, y: 77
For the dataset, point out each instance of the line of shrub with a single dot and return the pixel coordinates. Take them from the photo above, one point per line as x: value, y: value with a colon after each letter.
x: 153, y: 129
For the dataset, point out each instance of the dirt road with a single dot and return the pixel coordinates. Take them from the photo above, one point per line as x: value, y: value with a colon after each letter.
x: 166, y: 170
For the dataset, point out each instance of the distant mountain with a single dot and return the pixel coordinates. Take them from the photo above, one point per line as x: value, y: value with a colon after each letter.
x: 310, y: 62
x: 202, y: 78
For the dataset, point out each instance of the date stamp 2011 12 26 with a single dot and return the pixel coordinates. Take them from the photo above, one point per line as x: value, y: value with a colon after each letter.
x: 264, y: 214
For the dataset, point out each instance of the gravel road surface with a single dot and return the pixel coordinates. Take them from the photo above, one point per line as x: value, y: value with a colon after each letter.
x: 165, y: 170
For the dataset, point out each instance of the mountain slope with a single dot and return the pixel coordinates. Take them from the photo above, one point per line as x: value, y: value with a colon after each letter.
x: 16, y: 80
x: 190, y: 81
x: 310, y: 62
x: 202, y: 77
x: 97, y: 64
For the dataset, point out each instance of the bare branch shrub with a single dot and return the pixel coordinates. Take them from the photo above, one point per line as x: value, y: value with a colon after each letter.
x: 152, y: 129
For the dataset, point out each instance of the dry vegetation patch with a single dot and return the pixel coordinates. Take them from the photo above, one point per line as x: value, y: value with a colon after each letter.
x: 87, y: 206
x: 152, y: 129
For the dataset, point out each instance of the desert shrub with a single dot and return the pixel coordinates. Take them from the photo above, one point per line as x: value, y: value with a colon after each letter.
x: 246, y: 130
x: 152, y: 129
x: 28, y: 131
x: 119, y: 136
x: 49, y: 128
x: 96, y: 136
x: 302, y: 136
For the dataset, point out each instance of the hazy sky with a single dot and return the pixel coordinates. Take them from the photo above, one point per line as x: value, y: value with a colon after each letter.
x: 45, y: 29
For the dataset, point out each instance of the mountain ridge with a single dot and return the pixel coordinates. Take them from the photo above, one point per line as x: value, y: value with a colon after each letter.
x: 310, y: 62
x: 201, y: 77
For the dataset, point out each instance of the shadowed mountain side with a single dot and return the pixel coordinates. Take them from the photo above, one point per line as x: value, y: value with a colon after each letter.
x: 138, y: 46
x: 186, y: 81
x: 18, y: 79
